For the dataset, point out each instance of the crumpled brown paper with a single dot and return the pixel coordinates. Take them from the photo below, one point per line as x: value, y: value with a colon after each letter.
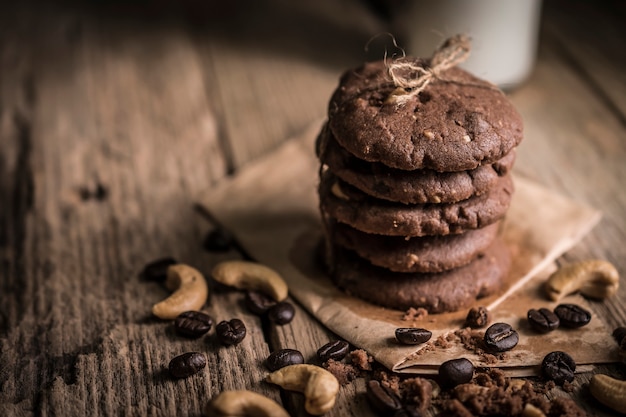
x: 272, y: 208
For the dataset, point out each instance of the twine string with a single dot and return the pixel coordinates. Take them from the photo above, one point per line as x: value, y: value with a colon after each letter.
x: 411, y: 77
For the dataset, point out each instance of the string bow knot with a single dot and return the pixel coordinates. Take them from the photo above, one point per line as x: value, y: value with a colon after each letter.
x: 412, y: 77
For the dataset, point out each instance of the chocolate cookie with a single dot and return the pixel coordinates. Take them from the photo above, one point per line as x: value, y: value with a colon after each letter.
x: 418, y: 254
x: 409, y: 187
x: 457, y: 123
x: 442, y: 292
x: 368, y: 214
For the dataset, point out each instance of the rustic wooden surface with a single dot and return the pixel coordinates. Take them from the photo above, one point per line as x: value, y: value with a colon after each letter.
x: 112, y: 117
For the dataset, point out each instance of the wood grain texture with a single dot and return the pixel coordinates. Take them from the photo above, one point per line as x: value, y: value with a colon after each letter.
x: 590, y: 40
x: 272, y: 68
x: 577, y: 147
x: 112, y: 117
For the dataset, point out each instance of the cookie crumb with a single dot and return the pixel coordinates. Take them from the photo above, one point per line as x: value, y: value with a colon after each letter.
x: 548, y: 386
x: 454, y: 408
x: 417, y: 391
x: 414, y: 314
x: 361, y: 359
x: 565, y: 407
x: 471, y: 339
x: 444, y: 341
x: 477, y: 317
x: 344, y: 372
x: 491, y: 393
x: 568, y: 387
x: 425, y: 348
x: 391, y: 381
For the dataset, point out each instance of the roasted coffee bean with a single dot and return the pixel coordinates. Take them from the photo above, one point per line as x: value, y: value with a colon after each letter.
x: 258, y: 303
x: 572, y: 315
x: 157, y: 270
x: 192, y: 323
x: 336, y: 350
x: 501, y: 337
x: 187, y: 364
x: 230, y: 332
x: 412, y: 336
x: 281, y: 313
x: 558, y: 367
x: 455, y: 372
x: 282, y: 358
x: 382, y: 398
x: 477, y: 317
x: 619, y: 335
x: 543, y: 320
x: 218, y: 240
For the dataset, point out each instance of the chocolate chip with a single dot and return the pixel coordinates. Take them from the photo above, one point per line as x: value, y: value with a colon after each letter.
x: 187, y: 364
x: 282, y: 358
x: 192, y: 323
x: 455, y: 372
x: 542, y: 320
x: 230, y: 332
x: 558, y: 367
x: 382, y: 398
x: 572, y: 315
x: 281, y: 313
x: 258, y: 303
x: 412, y: 336
x: 218, y: 240
x: 619, y: 335
x: 336, y: 350
x: 157, y: 269
x: 501, y: 337
x: 477, y: 317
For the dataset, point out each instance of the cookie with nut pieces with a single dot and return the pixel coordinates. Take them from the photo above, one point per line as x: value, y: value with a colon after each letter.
x: 417, y: 254
x: 365, y: 213
x: 408, y: 187
x: 436, y: 292
x: 458, y: 123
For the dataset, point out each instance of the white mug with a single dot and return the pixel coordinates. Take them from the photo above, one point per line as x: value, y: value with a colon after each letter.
x: 504, y: 34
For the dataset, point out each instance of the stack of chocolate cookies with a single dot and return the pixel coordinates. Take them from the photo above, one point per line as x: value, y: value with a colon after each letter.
x: 412, y: 195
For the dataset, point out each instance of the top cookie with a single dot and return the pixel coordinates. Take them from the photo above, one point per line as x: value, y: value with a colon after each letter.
x: 457, y: 123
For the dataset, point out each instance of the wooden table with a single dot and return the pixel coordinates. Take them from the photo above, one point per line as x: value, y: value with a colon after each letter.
x: 113, y: 117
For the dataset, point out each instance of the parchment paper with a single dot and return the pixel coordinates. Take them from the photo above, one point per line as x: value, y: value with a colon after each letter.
x: 272, y: 208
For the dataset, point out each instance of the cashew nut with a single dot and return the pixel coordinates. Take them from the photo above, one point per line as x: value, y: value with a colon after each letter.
x: 532, y: 411
x: 593, y: 278
x: 609, y: 391
x: 338, y: 192
x: 319, y: 386
x: 251, y: 276
x: 244, y: 404
x: 190, y: 292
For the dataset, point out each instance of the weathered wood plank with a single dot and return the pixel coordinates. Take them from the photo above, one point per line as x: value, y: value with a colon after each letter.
x: 591, y: 38
x: 574, y: 145
x: 114, y: 150
x: 17, y: 100
x: 273, y: 68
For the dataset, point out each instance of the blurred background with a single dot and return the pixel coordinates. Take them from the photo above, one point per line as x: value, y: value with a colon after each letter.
x: 246, y: 75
